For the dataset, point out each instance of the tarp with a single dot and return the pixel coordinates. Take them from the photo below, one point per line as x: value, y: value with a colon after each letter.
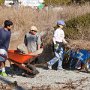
x: 83, y: 55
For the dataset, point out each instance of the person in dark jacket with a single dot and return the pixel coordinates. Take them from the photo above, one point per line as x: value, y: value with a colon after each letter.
x: 5, y: 34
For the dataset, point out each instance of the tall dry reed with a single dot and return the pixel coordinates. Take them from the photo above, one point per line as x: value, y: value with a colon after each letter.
x: 24, y: 17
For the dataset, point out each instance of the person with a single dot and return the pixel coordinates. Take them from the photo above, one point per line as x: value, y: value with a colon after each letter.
x: 5, y: 34
x: 58, y: 40
x: 32, y: 40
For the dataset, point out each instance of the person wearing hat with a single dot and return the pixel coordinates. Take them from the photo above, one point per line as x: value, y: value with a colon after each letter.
x: 59, y: 41
x: 32, y: 40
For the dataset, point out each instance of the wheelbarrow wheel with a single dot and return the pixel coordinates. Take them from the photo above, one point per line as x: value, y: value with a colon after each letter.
x: 33, y: 68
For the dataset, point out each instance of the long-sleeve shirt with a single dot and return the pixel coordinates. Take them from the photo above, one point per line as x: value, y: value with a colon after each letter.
x: 59, y: 36
x: 4, y: 38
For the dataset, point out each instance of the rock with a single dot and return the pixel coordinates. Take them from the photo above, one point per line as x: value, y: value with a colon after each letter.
x: 8, y: 87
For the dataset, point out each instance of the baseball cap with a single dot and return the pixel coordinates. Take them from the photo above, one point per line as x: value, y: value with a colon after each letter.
x: 60, y: 22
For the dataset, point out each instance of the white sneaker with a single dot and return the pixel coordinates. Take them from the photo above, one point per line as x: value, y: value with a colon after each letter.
x: 78, y: 68
x: 49, y: 67
x: 59, y: 68
x: 87, y: 65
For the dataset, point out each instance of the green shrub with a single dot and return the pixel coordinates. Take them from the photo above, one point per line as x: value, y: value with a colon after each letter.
x: 1, y: 2
x: 65, y: 2
x: 56, y: 2
x: 78, y: 27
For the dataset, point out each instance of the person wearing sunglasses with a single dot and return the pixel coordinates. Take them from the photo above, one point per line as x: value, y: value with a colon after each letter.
x: 32, y: 39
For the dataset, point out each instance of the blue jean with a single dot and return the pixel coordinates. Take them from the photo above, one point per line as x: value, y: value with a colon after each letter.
x: 58, y: 57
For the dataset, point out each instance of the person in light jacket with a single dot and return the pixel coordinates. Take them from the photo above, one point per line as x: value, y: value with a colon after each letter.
x: 59, y: 41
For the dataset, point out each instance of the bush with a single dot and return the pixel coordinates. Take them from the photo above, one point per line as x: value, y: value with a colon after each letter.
x: 1, y: 2
x: 57, y: 2
x: 78, y: 27
x: 65, y: 2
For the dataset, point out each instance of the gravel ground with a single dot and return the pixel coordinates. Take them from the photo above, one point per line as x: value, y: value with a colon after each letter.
x: 50, y: 80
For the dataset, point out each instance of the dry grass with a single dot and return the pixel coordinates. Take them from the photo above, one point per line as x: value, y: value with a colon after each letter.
x: 24, y: 18
x: 82, y: 44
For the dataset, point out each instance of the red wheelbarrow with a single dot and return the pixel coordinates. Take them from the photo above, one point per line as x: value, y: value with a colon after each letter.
x: 23, y: 61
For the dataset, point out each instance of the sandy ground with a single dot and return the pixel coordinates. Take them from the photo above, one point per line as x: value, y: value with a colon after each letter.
x: 51, y: 80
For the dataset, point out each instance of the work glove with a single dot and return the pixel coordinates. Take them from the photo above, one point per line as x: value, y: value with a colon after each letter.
x: 56, y: 46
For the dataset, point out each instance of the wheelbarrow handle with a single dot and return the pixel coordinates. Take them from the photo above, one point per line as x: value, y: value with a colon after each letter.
x: 32, y: 54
